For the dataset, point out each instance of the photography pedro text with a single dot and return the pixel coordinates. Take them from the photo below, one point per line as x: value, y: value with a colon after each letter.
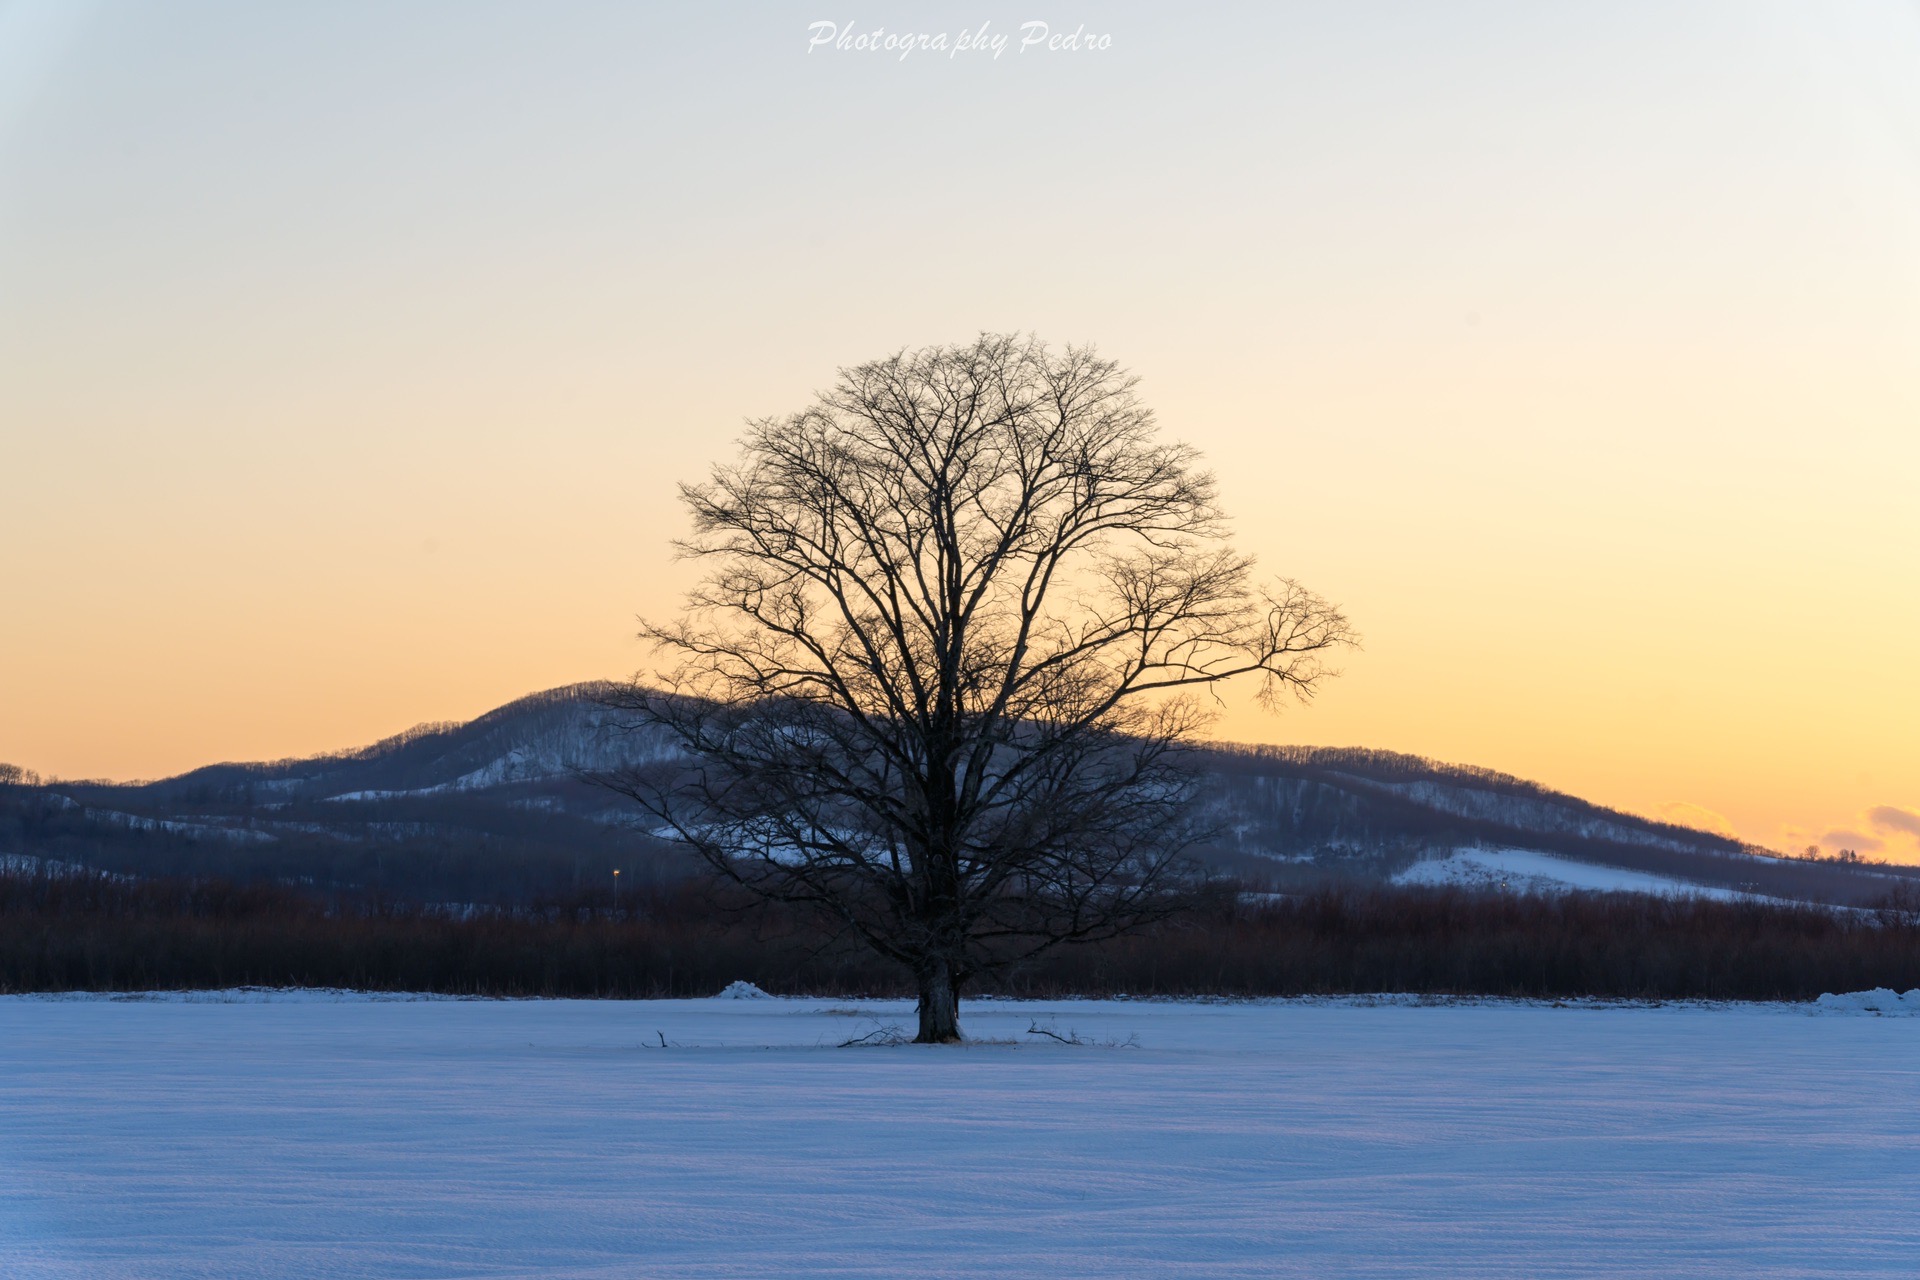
x: 981, y: 40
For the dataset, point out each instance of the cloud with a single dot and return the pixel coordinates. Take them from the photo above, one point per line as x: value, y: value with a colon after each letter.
x: 1886, y: 817
x: 1687, y: 814
x: 1852, y: 840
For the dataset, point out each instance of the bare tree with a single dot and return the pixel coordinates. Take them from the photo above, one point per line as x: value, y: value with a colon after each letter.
x: 937, y: 677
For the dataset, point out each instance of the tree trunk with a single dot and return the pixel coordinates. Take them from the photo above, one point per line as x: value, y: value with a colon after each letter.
x: 939, y: 1005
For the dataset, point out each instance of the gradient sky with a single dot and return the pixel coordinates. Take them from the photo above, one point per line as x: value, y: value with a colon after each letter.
x: 349, y: 353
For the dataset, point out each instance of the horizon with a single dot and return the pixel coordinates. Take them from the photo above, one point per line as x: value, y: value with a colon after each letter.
x: 427, y: 728
x: 348, y: 360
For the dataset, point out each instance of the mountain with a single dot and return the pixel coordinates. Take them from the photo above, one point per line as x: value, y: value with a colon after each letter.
x: 494, y: 810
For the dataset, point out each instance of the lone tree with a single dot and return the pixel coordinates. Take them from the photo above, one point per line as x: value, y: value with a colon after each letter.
x: 937, y: 677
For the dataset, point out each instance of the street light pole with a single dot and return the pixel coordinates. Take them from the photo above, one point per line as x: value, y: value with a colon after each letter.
x: 616, y: 890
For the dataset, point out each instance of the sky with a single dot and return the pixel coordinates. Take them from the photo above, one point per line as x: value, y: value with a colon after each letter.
x: 350, y: 353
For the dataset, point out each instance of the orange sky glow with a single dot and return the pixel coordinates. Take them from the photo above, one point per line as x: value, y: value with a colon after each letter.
x: 349, y: 355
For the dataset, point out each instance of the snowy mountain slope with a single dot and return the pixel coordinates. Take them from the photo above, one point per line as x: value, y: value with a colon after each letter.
x: 543, y: 737
x: 492, y: 806
x: 1524, y: 871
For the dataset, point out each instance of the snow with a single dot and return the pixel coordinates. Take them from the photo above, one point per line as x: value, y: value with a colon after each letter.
x: 1881, y: 1000
x: 742, y: 990
x: 318, y: 1134
x: 195, y: 830
x: 1525, y: 871
x: 22, y: 864
x: 1539, y: 812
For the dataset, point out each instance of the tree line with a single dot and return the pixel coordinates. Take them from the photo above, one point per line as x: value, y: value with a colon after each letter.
x: 66, y: 932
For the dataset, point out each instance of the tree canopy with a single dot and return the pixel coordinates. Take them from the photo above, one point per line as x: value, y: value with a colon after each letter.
x: 938, y: 673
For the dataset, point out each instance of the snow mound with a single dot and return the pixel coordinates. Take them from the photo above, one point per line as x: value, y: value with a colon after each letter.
x: 742, y: 991
x: 1879, y: 1000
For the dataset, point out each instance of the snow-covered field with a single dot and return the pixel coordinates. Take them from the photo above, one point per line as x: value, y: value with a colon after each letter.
x: 1526, y: 871
x: 317, y: 1136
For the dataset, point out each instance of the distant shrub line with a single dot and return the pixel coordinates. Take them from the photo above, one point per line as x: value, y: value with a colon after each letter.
x: 100, y: 934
